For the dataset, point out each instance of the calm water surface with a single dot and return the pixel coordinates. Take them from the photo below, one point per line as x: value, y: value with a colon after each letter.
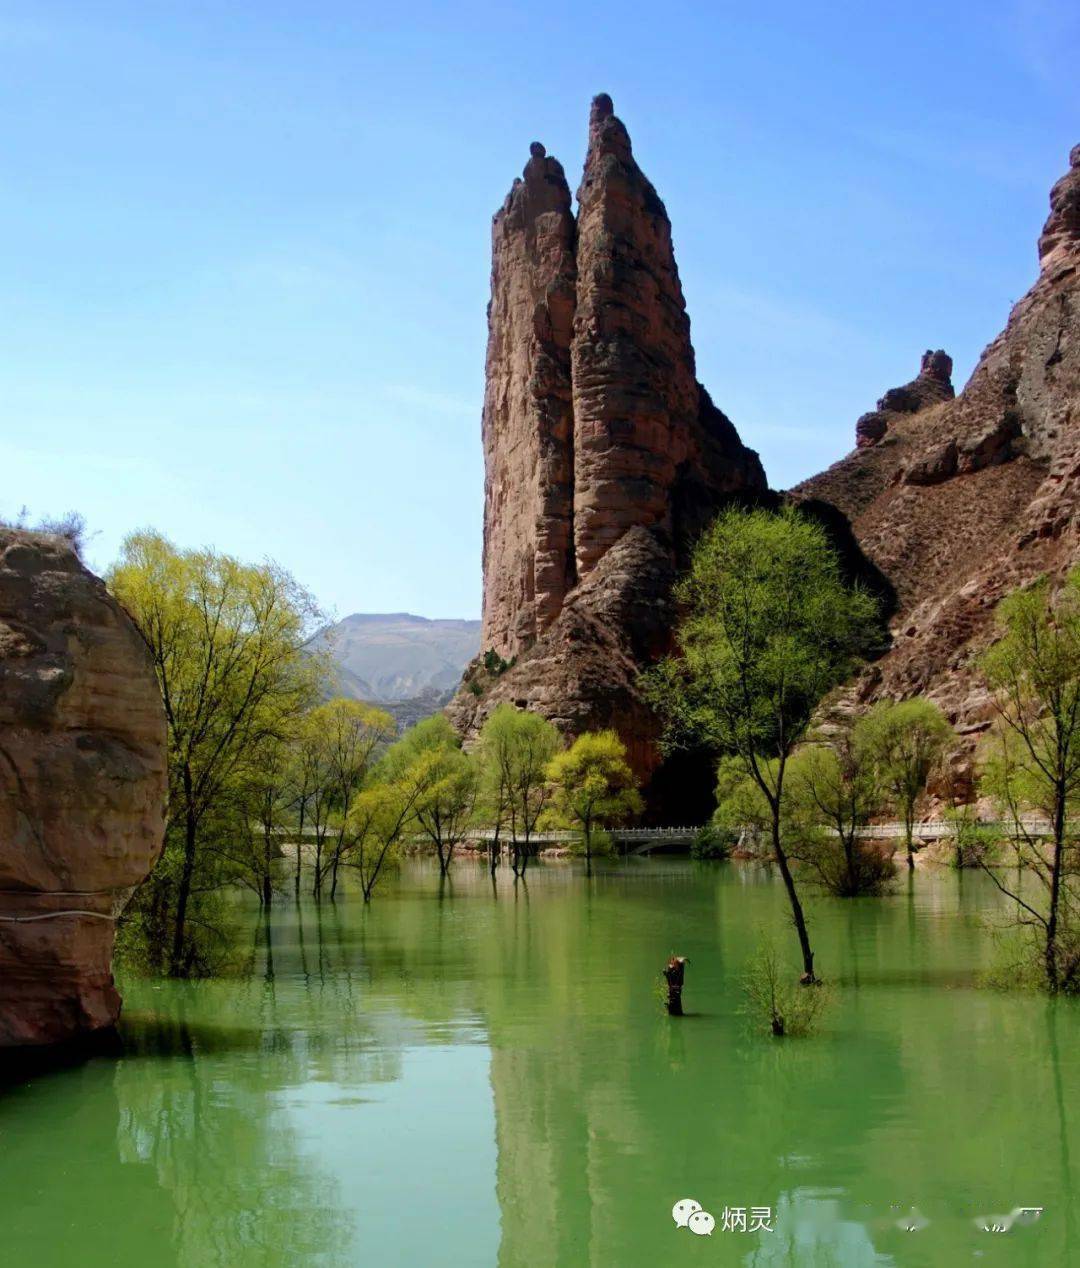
x: 456, y: 1077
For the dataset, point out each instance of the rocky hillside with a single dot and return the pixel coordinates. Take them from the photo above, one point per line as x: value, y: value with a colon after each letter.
x: 958, y: 500
x: 396, y: 657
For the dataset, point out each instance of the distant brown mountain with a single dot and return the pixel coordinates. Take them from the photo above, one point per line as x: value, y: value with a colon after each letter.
x: 399, y: 659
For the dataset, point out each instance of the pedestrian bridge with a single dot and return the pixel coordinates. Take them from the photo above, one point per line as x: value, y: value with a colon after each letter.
x: 628, y: 840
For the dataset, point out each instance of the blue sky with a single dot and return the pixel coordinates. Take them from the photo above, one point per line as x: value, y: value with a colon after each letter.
x: 247, y: 245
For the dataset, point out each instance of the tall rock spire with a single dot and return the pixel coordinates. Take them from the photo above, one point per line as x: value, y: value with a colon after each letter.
x: 635, y: 395
x: 650, y: 448
x: 527, y: 424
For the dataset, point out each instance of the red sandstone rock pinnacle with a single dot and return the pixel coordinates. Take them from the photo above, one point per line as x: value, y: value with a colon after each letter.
x: 527, y: 422
x: 593, y: 419
x: 604, y: 457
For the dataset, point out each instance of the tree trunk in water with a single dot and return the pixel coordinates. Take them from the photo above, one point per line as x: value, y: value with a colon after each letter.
x: 796, y: 906
x: 267, y: 892
x: 675, y: 972
x: 1055, y: 893
x: 299, y: 850
x: 183, y: 894
x: 908, y: 832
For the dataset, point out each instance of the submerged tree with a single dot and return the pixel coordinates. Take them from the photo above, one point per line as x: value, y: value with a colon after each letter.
x: 449, y: 777
x: 906, y: 740
x: 516, y: 747
x: 834, y: 794
x: 228, y: 642
x: 493, y: 795
x: 769, y: 628
x: 593, y: 784
x: 382, y: 812
x: 350, y: 734
x: 1033, y: 671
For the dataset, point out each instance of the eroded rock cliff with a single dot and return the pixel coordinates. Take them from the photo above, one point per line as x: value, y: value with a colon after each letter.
x: 82, y: 788
x: 604, y: 456
x: 958, y: 501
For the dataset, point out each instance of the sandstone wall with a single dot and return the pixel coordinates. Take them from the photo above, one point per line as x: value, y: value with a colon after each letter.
x: 959, y: 501
x: 82, y: 788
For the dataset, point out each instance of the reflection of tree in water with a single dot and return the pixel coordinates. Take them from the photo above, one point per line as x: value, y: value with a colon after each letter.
x: 203, y: 1089
x: 910, y: 1097
x: 603, y: 1107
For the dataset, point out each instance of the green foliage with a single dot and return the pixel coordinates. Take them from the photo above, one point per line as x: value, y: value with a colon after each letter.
x: 515, y: 748
x: 776, y: 1005
x: 769, y: 628
x: 905, y: 741
x: 740, y: 801
x: 1033, y: 671
x: 228, y: 644
x: 342, y: 738
x: 495, y: 664
x: 713, y: 842
x: 973, y: 842
x: 449, y: 779
x: 593, y: 784
x: 833, y: 792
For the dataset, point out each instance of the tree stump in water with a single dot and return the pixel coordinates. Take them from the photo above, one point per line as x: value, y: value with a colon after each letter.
x: 675, y: 973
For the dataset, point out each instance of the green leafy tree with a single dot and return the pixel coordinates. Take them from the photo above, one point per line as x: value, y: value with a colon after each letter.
x: 906, y: 741
x: 516, y: 747
x: 834, y: 794
x: 450, y: 779
x: 493, y: 795
x: 350, y: 734
x: 769, y: 627
x: 228, y: 642
x: 383, y: 811
x: 264, y: 803
x: 1033, y: 671
x: 593, y: 784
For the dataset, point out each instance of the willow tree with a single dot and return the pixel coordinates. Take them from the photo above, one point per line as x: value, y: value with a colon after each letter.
x: 905, y: 740
x: 450, y: 781
x: 834, y: 793
x: 593, y: 784
x: 228, y: 642
x: 516, y: 747
x: 769, y: 626
x: 350, y: 735
x: 1033, y: 671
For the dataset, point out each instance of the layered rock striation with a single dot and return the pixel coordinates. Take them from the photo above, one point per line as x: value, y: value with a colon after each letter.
x: 604, y: 456
x: 958, y: 501
x: 528, y: 417
x: 82, y: 788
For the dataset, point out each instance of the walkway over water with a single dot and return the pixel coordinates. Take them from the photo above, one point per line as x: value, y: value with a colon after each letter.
x: 646, y: 840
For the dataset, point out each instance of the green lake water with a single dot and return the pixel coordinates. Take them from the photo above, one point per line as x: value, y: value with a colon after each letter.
x: 456, y: 1077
